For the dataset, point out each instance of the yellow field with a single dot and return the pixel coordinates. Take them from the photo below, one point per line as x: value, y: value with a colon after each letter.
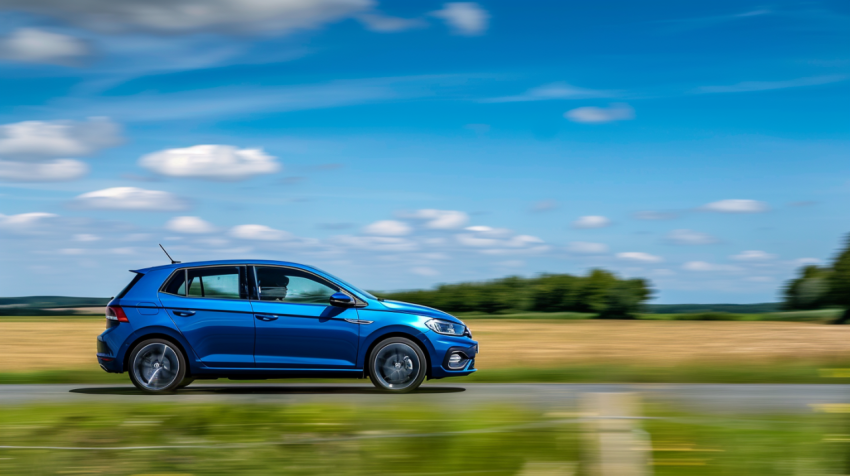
x: 59, y: 344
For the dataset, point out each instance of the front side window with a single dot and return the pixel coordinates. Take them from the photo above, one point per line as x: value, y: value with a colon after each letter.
x: 292, y: 285
x: 223, y: 282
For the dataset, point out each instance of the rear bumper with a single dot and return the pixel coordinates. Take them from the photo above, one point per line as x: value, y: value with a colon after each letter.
x: 106, y: 357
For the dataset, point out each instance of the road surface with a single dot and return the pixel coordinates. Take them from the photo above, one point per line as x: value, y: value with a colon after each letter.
x: 546, y: 397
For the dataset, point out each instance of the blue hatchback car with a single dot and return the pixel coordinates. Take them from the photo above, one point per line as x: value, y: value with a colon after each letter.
x: 256, y: 319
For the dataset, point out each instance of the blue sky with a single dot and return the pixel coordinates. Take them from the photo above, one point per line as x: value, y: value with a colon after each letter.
x: 702, y: 145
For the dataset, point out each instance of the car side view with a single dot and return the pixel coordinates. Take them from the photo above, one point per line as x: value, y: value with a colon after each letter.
x: 254, y: 319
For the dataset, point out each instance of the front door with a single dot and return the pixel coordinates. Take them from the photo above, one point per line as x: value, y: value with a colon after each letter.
x: 210, y: 306
x: 295, y: 325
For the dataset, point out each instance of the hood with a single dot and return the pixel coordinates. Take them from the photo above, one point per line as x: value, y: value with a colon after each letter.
x: 420, y: 310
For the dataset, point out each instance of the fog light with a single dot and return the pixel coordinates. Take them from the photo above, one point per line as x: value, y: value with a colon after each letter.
x: 456, y: 361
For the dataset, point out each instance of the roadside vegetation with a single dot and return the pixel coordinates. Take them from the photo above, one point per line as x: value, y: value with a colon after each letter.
x: 402, y: 439
x: 526, y: 348
x: 819, y: 287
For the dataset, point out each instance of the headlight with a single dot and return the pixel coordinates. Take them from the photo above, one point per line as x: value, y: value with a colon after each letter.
x: 446, y: 327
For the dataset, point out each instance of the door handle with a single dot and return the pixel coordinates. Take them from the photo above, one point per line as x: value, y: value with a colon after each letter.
x: 184, y: 313
x: 265, y: 317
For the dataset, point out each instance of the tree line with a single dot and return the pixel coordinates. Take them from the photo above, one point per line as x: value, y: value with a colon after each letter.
x: 819, y: 287
x: 599, y: 292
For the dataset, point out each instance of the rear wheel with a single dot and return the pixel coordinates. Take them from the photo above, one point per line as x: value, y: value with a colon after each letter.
x: 157, y: 366
x: 186, y: 381
x: 397, y: 365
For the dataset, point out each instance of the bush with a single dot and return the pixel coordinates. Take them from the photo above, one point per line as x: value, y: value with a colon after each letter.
x: 709, y: 316
x: 600, y: 292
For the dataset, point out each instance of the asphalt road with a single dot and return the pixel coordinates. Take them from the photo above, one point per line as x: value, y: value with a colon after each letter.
x: 547, y: 397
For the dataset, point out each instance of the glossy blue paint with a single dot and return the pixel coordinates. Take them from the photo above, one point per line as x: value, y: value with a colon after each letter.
x: 221, y: 331
x: 305, y: 336
x: 249, y: 338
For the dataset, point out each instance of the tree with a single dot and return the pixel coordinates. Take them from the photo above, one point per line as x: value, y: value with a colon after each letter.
x: 839, y: 283
x: 819, y: 287
x: 809, y: 291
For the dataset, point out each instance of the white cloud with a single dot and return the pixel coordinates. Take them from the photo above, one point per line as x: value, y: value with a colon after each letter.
x: 736, y: 206
x: 25, y: 222
x: 34, y: 140
x: 652, y: 215
x: 500, y: 241
x: 806, y: 261
x: 189, y: 16
x: 440, y: 219
x: 468, y: 239
x: 31, y: 45
x: 598, y: 115
x: 51, y: 171
x: 587, y: 248
x: 753, y: 255
x: 553, y: 91
x: 704, y: 266
x: 219, y: 162
x: 258, y: 232
x: 751, y: 86
x: 86, y: 237
x: 545, y: 206
x: 424, y: 271
x: 489, y: 231
x: 190, y: 225
x: 690, y: 237
x: 591, y: 221
x: 388, y: 228
x: 464, y: 18
x: 640, y: 257
x: 376, y: 243
x: 387, y: 24
x: 72, y: 251
x: 130, y: 198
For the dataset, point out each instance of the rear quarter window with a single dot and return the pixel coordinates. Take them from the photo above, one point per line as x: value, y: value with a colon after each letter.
x: 128, y: 287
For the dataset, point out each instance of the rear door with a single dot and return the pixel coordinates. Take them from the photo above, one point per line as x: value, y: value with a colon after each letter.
x: 296, y: 326
x: 210, y: 306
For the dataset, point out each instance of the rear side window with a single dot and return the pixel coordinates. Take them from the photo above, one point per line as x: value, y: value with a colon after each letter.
x: 222, y: 282
x: 128, y: 287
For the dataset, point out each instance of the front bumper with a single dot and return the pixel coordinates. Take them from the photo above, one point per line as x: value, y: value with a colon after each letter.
x: 466, y: 348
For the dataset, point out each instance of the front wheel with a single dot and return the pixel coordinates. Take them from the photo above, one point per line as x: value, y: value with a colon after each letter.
x: 157, y: 366
x: 397, y: 365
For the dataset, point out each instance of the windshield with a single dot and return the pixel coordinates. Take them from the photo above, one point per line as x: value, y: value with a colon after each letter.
x: 348, y: 285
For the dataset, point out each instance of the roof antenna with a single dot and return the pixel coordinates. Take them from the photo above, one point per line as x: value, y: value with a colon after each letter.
x: 169, y: 256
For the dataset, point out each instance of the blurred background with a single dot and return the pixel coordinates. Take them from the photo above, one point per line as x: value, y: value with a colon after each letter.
x: 631, y: 192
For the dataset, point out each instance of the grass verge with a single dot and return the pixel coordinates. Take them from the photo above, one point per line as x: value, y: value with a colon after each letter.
x: 397, y: 439
x: 795, y: 373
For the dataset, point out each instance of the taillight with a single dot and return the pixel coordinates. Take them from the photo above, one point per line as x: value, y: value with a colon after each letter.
x: 115, y: 313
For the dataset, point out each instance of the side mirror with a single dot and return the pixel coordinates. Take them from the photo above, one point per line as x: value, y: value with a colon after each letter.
x: 341, y: 300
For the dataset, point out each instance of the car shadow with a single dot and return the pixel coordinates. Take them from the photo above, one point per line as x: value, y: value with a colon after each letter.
x: 244, y: 389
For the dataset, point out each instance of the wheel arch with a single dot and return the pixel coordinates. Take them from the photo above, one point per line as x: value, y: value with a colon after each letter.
x: 158, y: 335
x: 397, y: 333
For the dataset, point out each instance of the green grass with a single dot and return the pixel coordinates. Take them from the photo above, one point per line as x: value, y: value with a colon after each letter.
x: 399, y: 439
x: 789, y: 372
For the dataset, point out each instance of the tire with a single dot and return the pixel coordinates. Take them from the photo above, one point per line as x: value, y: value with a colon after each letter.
x: 397, y: 365
x: 152, y: 366
x: 186, y: 382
